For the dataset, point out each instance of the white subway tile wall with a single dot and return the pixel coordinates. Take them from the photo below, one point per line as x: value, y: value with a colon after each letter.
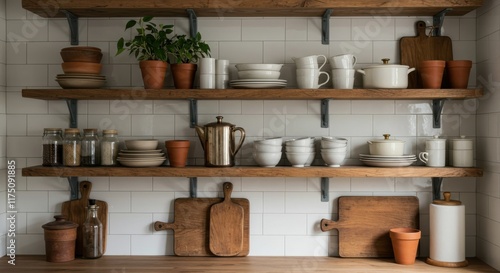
x: 30, y: 59
x: 3, y: 131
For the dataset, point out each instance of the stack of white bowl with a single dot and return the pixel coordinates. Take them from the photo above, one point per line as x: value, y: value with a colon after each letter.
x: 258, y: 76
x: 300, y: 152
x: 267, y: 152
x: 333, y: 150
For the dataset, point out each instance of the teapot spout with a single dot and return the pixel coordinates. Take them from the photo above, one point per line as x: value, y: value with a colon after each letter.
x: 201, y: 135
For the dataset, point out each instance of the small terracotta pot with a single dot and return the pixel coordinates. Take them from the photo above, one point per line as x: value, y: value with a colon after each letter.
x: 183, y: 75
x: 177, y: 151
x: 405, y: 244
x: 458, y: 73
x: 153, y: 73
x: 431, y: 73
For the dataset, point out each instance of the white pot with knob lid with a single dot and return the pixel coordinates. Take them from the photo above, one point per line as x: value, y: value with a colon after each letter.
x: 386, y: 146
x: 461, y: 152
x: 386, y: 75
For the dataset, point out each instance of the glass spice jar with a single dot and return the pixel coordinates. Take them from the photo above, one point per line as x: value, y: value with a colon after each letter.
x: 52, y: 147
x: 92, y: 233
x: 90, y: 148
x: 72, y: 147
x: 109, y: 147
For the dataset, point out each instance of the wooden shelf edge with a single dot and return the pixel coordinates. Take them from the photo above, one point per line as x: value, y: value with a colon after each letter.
x: 253, y: 171
x: 250, y: 94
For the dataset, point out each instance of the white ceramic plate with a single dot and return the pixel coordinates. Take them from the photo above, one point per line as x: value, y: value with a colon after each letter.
x: 141, y: 151
x: 137, y: 159
x: 146, y: 163
x: 386, y: 156
x: 273, y: 67
x: 140, y: 155
x: 73, y: 83
x: 375, y: 163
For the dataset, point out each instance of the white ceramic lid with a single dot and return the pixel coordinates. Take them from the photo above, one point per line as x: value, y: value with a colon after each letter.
x: 435, y: 143
x: 386, y: 140
x: 462, y: 143
x: 387, y: 65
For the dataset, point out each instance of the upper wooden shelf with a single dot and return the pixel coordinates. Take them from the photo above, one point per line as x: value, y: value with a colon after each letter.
x: 251, y: 94
x: 255, y: 8
x: 254, y: 171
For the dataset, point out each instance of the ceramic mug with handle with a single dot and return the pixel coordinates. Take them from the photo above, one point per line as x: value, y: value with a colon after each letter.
x: 433, y: 158
x: 310, y: 62
x: 345, y: 61
x: 309, y: 78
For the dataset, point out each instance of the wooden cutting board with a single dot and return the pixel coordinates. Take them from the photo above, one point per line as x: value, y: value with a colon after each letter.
x: 226, y: 225
x: 191, y: 225
x: 76, y: 211
x: 413, y: 50
x: 364, y: 223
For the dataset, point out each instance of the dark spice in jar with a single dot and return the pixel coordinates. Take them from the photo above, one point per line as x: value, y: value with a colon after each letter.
x: 52, y: 154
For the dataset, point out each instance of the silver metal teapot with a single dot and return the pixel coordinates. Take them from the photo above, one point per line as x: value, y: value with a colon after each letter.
x: 218, y: 141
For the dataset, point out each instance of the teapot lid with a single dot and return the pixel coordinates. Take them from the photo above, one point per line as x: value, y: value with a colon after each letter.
x: 219, y: 123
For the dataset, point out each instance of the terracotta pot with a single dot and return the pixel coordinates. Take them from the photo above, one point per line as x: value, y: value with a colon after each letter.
x: 405, y: 244
x: 458, y: 73
x: 431, y: 73
x: 153, y: 73
x: 183, y: 75
x: 177, y: 151
x: 60, y: 240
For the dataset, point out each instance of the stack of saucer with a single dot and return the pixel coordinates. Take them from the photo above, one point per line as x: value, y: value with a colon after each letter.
x: 82, y: 68
x: 387, y: 161
x: 141, y: 153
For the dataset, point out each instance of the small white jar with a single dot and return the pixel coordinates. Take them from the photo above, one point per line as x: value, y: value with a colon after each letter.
x: 462, y: 152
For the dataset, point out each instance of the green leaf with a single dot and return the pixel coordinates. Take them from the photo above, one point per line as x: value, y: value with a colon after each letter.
x: 147, y: 18
x: 130, y: 24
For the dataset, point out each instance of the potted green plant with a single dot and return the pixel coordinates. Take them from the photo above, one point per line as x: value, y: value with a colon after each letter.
x: 183, y: 56
x: 150, y: 46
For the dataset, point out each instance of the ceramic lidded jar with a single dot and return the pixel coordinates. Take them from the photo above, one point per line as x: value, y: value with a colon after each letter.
x: 386, y: 146
x: 462, y: 152
x: 60, y: 240
x: 435, y: 143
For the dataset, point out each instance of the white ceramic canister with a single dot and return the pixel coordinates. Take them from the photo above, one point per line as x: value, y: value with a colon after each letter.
x: 435, y: 152
x: 461, y: 152
x: 447, y: 233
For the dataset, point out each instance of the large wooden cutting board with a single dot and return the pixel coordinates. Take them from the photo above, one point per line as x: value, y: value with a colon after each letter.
x: 413, y: 50
x: 76, y: 211
x: 191, y: 225
x: 364, y: 223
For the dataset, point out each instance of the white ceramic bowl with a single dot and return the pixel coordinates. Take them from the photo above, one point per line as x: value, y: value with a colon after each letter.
x: 141, y: 144
x: 267, y: 148
x: 297, y: 159
x: 332, y: 144
x: 272, y: 67
x: 334, y: 150
x: 299, y: 149
x: 303, y: 141
x: 333, y: 159
x: 267, y: 159
x: 310, y: 159
x: 259, y: 74
x: 334, y: 139
x: 271, y: 141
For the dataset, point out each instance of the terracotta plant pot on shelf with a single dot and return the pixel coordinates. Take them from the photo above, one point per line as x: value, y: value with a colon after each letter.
x: 458, y: 73
x: 431, y: 72
x: 177, y: 151
x: 405, y: 244
x: 153, y: 73
x: 183, y: 75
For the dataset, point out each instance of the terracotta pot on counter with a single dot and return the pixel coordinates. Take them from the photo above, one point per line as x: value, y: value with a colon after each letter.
x: 60, y: 240
x: 431, y: 72
x: 458, y: 73
x: 405, y: 244
x: 177, y: 151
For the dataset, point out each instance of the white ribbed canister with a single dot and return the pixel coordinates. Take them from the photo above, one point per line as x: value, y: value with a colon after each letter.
x: 447, y: 233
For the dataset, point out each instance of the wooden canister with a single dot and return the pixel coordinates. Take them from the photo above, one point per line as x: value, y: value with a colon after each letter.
x: 60, y: 240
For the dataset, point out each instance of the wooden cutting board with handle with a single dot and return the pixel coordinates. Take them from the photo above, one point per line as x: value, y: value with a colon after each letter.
x: 191, y: 225
x: 226, y: 225
x: 413, y: 50
x: 76, y: 211
x: 364, y: 222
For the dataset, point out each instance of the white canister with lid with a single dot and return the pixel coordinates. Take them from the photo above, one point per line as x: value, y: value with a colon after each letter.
x: 435, y: 152
x: 462, y: 152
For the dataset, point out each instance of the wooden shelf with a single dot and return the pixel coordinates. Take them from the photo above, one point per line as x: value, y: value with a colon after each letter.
x: 256, y: 8
x: 253, y: 171
x: 251, y: 94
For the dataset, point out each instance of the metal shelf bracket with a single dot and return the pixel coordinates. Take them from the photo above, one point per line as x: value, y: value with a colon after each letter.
x: 325, y: 187
x: 73, y: 187
x: 325, y: 27
x: 438, y: 20
x: 325, y: 112
x: 193, y: 22
x: 73, y: 112
x: 193, y: 186
x: 193, y: 113
x: 436, y: 187
x: 437, y: 108
x: 73, y: 26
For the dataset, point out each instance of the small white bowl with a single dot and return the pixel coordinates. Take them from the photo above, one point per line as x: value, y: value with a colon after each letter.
x: 334, y: 150
x: 334, y: 139
x: 297, y: 159
x: 259, y: 74
x: 272, y: 67
x: 267, y: 159
x: 271, y: 141
x: 141, y: 144
x: 332, y: 144
x: 299, y: 149
x: 310, y: 159
x: 267, y: 148
x: 333, y: 159
x: 303, y: 141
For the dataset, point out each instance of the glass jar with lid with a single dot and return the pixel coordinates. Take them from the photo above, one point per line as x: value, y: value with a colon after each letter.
x: 72, y: 147
x: 52, y: 147
x: 109, y: 147
x: 90, y: 148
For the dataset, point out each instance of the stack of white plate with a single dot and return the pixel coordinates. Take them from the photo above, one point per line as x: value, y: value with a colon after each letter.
x: 141, y: 158
x: 258, y: 83
x: 258, y: 76
x: 387, y: 161
x: 75, y: 80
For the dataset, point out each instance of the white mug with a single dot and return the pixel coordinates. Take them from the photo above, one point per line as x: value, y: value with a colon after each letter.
x: 343, y: 83
x: 346, y: 61
x: 207, y: 65
x: 222, y: 67
x: 221, y: 81
x: 433, y: 158
x: 343, y: 73
x: 309, y: 78
x: 207, y: 81
x: 309, y: 62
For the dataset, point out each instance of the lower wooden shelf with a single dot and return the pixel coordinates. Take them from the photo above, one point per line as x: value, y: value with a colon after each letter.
x: 254, y: 171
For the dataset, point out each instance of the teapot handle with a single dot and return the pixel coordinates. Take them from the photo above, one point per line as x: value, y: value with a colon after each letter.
x: 242, y: 138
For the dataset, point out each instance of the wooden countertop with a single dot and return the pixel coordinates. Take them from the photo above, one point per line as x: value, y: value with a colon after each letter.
x: 146, y: 264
